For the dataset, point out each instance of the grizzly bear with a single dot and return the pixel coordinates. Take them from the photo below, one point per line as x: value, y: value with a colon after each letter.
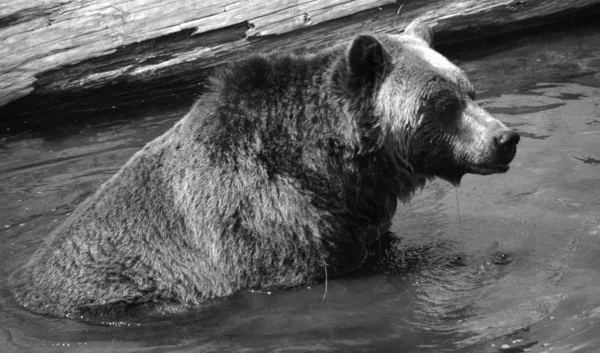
x: 285, y: 172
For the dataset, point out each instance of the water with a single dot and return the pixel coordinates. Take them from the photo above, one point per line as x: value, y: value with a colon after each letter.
x: 521, y: 267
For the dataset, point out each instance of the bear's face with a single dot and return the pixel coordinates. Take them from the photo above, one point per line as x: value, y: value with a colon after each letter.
x: 423, y: 107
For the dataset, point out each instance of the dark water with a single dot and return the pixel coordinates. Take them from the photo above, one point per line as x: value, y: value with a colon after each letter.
x: 520, y: 267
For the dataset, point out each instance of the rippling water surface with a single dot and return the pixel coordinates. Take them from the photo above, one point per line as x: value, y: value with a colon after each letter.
x: 518, y: 271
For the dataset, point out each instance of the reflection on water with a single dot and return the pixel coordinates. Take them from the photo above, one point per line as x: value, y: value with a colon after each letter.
x: 519, y: 270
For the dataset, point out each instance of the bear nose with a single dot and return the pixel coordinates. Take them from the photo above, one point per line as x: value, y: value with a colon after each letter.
x: 507, y: 138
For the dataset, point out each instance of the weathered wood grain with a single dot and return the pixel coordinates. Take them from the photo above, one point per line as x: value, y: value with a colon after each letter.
x: 38, y: 36
x: 51, y: 46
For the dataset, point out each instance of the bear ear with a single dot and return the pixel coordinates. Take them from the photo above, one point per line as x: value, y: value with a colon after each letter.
x: 421, y: 30
x: 365, y: 56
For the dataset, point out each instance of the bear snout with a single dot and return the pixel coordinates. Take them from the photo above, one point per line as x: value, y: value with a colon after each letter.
x: 506, y: 143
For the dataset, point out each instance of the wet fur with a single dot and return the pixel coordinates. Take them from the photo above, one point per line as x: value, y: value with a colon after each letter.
x: 290, y: 167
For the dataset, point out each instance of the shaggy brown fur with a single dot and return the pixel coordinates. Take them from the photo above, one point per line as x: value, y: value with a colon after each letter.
x: 290, y: 166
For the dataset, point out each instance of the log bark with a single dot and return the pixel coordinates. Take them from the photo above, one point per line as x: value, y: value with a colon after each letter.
x: 65, y: 47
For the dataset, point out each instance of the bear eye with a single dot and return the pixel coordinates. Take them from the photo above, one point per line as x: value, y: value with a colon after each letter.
x: 450, y: 110
x: 472, y: 95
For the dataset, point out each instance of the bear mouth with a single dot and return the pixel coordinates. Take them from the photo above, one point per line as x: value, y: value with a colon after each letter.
x: 487, y: 169
x: 479, y: 169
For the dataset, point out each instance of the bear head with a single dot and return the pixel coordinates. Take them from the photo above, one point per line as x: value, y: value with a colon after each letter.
x: 406, y: 97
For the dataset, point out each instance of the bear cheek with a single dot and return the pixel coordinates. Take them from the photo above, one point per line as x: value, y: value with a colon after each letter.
x: 436, y: 152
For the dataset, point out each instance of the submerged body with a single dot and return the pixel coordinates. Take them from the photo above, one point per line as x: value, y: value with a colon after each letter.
x: 289, y: 168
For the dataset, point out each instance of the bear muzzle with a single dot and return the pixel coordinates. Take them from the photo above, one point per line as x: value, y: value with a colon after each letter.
x: 504, y: 149
x: 493, y: 145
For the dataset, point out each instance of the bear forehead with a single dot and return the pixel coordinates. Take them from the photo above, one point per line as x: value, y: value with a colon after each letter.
x: 397, y: 45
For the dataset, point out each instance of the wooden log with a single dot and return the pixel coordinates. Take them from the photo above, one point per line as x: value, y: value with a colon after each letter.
x: 63, y: 47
